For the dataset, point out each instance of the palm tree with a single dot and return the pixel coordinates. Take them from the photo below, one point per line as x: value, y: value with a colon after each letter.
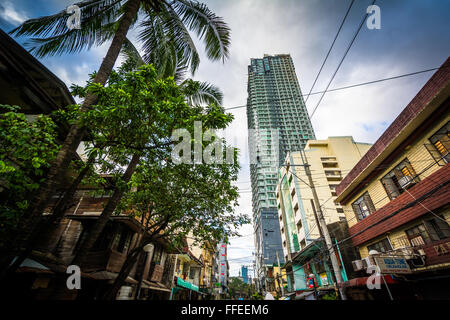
x: 196, y: 93
x: 160, y: 23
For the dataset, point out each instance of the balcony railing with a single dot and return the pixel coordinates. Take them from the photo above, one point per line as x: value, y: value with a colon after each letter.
x: 430, y: 253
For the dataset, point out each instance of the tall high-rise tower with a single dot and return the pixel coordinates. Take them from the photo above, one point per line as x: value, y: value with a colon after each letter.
x: 278, y: 122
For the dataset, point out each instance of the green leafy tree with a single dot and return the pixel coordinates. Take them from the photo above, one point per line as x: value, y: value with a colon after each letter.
x: 141, y: 112
x: 174, y: 201
x: 27, y: 150
x: 164, y: 26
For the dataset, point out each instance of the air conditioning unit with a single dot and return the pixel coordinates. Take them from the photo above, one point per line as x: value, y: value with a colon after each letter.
x: 357, y: 265
x: 369, y: 261
x: 405, y: 181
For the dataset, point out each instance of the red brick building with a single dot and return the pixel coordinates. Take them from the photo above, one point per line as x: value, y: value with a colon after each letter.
x: 396, y: 198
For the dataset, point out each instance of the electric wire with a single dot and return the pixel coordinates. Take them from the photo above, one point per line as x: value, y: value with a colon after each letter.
x: 329, y: 50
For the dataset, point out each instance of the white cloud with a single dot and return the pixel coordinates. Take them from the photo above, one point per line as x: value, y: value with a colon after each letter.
x: 9, y: 13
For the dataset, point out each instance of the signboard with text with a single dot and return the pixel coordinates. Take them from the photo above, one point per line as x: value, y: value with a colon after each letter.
x: 392, y: 264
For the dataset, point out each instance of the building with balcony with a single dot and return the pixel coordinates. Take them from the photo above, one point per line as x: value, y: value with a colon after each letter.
x: 329, y: 161
x: 278, y: 122
x: 396, y: 198
x: 188, y: 272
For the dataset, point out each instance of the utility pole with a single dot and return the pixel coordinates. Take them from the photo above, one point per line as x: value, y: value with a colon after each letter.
x: 280, y: 278
x: 323, y: 227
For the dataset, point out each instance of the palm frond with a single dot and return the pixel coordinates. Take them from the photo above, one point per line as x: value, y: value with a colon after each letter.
x: 181, y: 68
x: 51, y: 36
x: 131, y: 53
x: 200, y: 93
x: 215, y: 32
x: 164, y: 34
x: 174, y: 66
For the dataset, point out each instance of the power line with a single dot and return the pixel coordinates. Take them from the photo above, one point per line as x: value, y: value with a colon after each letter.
x: 390, y: 205
x: 401, y: 206
x: 352, y: 85
x: 331, y: 47
x: 340, y: 63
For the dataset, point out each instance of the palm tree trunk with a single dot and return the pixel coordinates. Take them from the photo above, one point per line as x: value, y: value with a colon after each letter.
x: 106, y: 214
x: 41, y: 198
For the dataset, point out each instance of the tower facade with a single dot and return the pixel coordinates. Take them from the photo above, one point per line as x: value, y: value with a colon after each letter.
x: 278, y: 122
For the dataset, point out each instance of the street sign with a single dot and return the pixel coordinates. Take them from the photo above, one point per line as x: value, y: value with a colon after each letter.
x: 392, y: 264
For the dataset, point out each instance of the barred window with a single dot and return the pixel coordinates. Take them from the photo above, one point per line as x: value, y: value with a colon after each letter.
x: 418, y: 235
x: 363, y: 207
x: 381, y: 246
x: 398, y: 179
x: 441, y: 144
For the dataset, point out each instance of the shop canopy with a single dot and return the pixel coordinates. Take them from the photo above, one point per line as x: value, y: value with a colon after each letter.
x: 309, y: 251
x: 187, y: 285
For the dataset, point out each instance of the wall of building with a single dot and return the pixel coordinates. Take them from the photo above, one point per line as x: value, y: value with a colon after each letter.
x: 346, y: 153
x: 421, y: 160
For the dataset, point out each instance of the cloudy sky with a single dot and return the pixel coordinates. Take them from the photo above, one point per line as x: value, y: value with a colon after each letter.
x: 414, y: 36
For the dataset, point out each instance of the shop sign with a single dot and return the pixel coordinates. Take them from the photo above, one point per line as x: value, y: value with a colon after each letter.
x: 324, y: 279
x: 392, y: 264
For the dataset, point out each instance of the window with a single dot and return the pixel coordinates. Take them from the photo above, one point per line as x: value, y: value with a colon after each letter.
x: 192, y: 273
x: 299, y: 226
x: 418, y: 235
x: 157, y: 255
x: 363, y: 206
x: 124, y: 240
x: 399, y: 179
x: 381, y: 246
x: 333, y: 190
x: 303, y: 243
x: 438, y: 229
x: 440, y: 142
x: 103, y: 241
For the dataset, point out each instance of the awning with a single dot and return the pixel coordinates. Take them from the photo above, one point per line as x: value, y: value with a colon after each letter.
x: 309, y: 251
x: 187, y: 285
